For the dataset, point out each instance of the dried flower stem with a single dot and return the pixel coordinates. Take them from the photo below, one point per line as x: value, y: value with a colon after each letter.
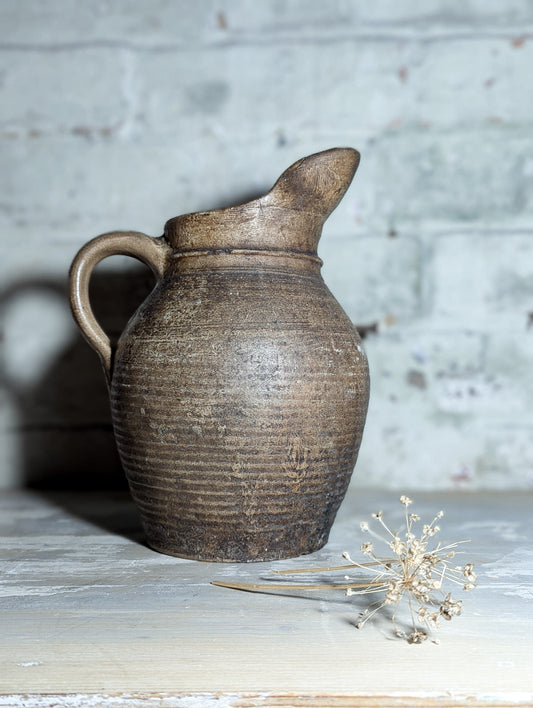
x: 346, y: 566
x: 254, y: 587
x: 415, y: 573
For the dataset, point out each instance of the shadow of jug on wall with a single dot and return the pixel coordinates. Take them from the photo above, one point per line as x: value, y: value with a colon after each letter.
x: 60, y: 429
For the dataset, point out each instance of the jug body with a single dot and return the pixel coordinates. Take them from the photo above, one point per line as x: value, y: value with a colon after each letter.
x: 238, y: 400
x: 239, y: 389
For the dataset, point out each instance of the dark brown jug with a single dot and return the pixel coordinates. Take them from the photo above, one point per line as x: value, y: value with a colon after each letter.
x: 239, y: 388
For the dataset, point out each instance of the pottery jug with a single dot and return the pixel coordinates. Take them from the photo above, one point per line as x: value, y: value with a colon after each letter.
x: 239, y: 388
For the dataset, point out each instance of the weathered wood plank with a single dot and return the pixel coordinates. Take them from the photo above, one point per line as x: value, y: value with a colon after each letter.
x: 88, y: 610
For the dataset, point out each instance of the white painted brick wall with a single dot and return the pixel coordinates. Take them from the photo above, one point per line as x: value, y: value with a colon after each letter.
x: 123, y: 113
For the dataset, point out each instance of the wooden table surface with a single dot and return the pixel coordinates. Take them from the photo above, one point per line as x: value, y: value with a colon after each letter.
x: 91, y: 616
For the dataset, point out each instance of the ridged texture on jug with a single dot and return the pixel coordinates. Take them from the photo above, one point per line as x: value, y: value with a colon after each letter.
x: 239, y: 402
x: 239, y: 389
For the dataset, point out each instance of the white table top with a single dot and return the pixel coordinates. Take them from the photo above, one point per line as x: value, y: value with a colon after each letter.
x: 88, y: 611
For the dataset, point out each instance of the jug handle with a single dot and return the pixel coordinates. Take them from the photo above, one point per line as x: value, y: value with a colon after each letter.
x: 153, y: 252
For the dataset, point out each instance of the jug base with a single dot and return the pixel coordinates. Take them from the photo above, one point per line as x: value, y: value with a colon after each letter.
x: 236, y: 553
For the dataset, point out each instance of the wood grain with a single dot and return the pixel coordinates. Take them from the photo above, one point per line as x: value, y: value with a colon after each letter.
x: 91, y: 614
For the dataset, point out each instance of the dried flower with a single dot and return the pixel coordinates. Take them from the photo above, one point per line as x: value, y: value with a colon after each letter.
x: 415, y: 574
x: 367, y: 548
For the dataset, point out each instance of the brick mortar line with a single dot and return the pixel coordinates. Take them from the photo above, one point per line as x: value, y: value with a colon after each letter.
x: 271, y: 40
x: 374, y: 136
x: 420, y: 231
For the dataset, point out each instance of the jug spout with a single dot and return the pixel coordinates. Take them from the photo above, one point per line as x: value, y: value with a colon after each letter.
x: 288, y: 218
x: 317, y: 183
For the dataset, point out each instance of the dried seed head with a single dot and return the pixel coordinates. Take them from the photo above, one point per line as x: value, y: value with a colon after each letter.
x: 398, y: 546
x: 468, y: 572
x: 367, y: 548
x: 418, y: 636
x: 416, y: 574
x: 394, y: 592
x: 450, y: 607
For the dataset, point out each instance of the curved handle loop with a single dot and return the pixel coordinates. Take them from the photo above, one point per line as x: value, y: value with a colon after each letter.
x: 151, y: 251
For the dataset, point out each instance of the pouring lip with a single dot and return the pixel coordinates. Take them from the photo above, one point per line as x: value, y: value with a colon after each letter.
x: 350, y: 153
x: 295, y: 193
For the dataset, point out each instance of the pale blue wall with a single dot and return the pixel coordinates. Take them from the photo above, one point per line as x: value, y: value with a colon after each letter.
x: 122, y: 114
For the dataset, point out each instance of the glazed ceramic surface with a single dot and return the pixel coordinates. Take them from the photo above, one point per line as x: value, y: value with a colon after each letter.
x: 239, y: 388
